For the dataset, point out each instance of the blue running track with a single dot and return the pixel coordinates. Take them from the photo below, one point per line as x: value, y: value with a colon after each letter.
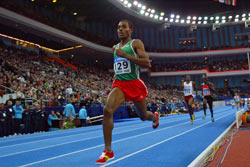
x: 174, y: 144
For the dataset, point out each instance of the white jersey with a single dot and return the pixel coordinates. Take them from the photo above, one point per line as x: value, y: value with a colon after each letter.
x: 237, y: 99
x: 188, y: 88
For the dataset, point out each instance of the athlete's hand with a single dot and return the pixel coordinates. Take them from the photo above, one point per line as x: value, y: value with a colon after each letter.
x: 120, y: 52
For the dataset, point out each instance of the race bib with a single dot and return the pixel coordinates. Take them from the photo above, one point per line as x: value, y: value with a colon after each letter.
x: 187, y: 91
x: 122, y: 66
x: 206, y: 92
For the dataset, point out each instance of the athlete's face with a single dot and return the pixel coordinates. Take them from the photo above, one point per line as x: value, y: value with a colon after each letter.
x: 123, y: 30
x: 188, y: 77
x: 206, y: 80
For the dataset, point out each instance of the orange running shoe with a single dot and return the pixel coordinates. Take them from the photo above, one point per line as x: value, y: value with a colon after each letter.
x: 105, y: 157
x: 156, y: 123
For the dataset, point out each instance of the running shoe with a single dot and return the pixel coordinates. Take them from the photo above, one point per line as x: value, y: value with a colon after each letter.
x: 106, y: 156
x: 204, y: 117
x: 191, y: 122
x: 156, y: 123
x: 212, y: 119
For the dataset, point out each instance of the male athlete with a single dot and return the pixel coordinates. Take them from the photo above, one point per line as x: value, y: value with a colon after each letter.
x: 207, y: 88
x: 129, y: 56
x: 189, y: 87
x: 237, y: 101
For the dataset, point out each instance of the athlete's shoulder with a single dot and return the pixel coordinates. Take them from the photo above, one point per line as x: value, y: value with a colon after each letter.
x: 137, y: 42
x: 114, y: 46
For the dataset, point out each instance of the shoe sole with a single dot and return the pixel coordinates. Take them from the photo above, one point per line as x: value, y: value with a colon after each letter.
x: 105, y: 162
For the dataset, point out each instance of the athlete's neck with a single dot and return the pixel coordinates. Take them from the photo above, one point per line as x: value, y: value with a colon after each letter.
x: 125, y: 41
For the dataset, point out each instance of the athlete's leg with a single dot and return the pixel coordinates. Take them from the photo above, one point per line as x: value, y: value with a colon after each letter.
x: 190, y: 109
x: 210, y: 104
x: 114, y: 100
x: 141, y: 110
x: 204, y: 107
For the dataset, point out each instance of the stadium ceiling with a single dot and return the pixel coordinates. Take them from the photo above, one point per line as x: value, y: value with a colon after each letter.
x: 173, y: 11
x: 206, y: 10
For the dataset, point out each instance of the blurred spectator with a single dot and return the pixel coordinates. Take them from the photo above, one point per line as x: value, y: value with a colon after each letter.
x: 27, y: 116
x: 18, y: 110
x: 83, y: 116
x: 69, y: 111
x: 10, y: 119
x: 52, y: 116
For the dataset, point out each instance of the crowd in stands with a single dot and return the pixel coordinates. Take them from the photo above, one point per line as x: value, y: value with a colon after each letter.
x: 213, y: 66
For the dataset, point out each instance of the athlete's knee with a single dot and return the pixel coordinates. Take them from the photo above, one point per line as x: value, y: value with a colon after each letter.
x: 107, y: 111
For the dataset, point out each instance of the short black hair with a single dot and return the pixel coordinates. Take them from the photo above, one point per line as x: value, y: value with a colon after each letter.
x: 130, y: 24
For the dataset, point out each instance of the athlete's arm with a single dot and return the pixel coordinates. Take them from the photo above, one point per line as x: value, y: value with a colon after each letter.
x: 142, y: 60
x: 194, y: 86
x: 211, y: 86
x: 182, y: 83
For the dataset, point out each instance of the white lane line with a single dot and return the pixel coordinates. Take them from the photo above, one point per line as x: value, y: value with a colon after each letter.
x: 75, y: 152
x: 14, y: 145
x: 83, y: 133
x: 76, y: 130
x: 54, y: 145
x: 163, y: 141
x: 59, y: 132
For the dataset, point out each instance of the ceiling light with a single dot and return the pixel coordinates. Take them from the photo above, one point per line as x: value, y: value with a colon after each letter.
x: 166, y: 19
x: 135, y: 3
x: 139, y: 5
x: 171, y: 20
x: 182, y: 21
x: 199, y: 22
x: 54, y: 1
x: 243, y: 19
x: 217, y: 21
x: 194, y: 18
x: 156, y: 17
x: 125, y: 2
x: 188, y: 21
x: 236, y: 20
x: 142, y: 12
x: 177, y: 20
x: 194, y: 22
x: 217, y: 18
x: 211, y: 18
x: 162, y: 13
x: 161, y: 18
x: 172, y: 16
x: 146, y: 14
x: 149, y: 10
x: 204, y: 22
x: 143, y: 7
x: 223, y: 17
x: 223, y: 21
x: 205, y: 18
x: 74, y: 13
x: 237, y: 16
x: 178, y: 16
x: 151, y: 15
x: 230, y: 17
x: 200, y: 18
x: 189, y: 17
x: 129, y: 5
x: 121, y: 0
x: 152, y: 11
x: 244, y: 15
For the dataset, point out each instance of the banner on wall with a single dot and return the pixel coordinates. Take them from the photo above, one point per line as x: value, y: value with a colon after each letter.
x: 228, y: 2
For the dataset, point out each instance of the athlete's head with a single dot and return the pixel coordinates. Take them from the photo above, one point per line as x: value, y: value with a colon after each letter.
x: 125, y: 29
x: 188, y: 78
x: 206, y: 79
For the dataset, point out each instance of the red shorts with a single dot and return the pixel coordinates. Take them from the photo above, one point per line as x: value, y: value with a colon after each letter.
x: 134, y: 90
x: 186, y: 98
